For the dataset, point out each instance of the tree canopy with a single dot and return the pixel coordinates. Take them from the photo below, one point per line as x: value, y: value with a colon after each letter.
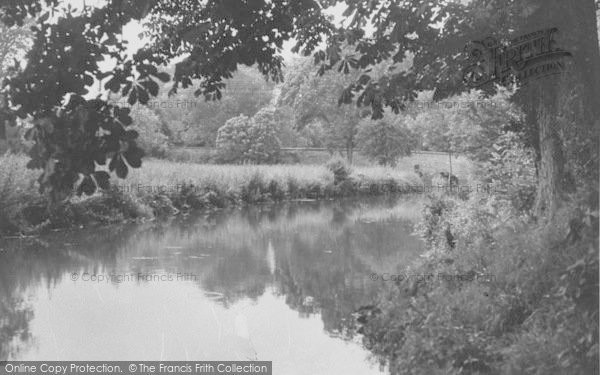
x: 387, y: 139
x: 72, y: 134
x: 314, y: 99
x: 245, y: 93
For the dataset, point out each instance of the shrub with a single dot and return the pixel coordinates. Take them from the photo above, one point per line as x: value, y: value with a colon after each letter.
x: 233, y: 140
x: 265, y: 146
x: 340, y: 169
x: 249, y: 140
x: 253, y: 190
x: 161, y: 205
x: 276, y: 191
x: 511, y: 169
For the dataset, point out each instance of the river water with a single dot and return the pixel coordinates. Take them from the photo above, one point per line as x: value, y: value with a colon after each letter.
x: 274, y: 282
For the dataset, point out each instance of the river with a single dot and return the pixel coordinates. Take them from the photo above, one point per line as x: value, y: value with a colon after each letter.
x: 273, y: 282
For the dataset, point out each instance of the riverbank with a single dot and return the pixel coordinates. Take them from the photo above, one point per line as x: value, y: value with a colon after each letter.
x: 163, y: 188
x: 496, y: 292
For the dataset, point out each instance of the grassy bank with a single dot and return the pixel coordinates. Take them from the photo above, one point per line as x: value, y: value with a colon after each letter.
x: 163, y: 188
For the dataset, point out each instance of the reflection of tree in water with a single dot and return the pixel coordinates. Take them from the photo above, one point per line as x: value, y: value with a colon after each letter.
x: 14, y: 325
x: 241, y: 274
x: 340, y: 214
x: 29, y: 263
x: 325, y: 269
x: 313, y: 280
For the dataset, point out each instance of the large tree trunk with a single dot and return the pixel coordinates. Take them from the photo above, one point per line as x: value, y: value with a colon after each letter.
x: 564, y: 111
x: 551, y: 172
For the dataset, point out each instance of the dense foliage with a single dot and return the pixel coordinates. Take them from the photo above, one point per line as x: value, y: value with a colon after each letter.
x: 249, y: 140
x: 496, y: 292
x: 194, y: 122
x: 14, y: 42
x: 314, y: 101
x: 386, y: 140
x: 152, y: 138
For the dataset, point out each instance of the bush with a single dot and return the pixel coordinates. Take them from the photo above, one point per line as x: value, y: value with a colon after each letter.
x: 265, y: 146
x: 254, y: 189
x: 511, y: 169
x: 340, y: 169
x: 233, y: 140
x: 249, y: 140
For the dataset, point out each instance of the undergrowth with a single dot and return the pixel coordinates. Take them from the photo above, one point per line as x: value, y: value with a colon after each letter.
x: 499, y: 294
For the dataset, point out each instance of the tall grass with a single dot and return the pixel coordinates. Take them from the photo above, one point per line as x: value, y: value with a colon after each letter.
x: 162, y: 188
x: 160, y: 172
x: 284, y: 181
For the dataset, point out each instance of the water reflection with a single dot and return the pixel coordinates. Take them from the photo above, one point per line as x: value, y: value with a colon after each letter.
x: 272, y: 283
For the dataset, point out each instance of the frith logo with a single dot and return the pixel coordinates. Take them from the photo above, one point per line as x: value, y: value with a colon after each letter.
x: 534, y: 55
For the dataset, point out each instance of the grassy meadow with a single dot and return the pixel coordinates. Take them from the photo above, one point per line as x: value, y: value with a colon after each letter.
x: 428, y: 162
x: 164, y: 188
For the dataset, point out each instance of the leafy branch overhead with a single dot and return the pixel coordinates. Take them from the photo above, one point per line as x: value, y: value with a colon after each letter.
x: 73, y: 134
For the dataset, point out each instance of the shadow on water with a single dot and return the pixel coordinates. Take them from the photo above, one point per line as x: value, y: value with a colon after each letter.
x: 315, y: 256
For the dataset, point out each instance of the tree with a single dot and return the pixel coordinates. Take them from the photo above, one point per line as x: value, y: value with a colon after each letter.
x: 73, y: 137
x: 265, y: 146
x: 386, y: 140
x: 468, y: 124
x: 314, y: 99
x: 249, y: 140
x: 245, y: 93
x: 14, y: 42
x: 151, y: 137
x: 434, y: 36
x: 233, y: 139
